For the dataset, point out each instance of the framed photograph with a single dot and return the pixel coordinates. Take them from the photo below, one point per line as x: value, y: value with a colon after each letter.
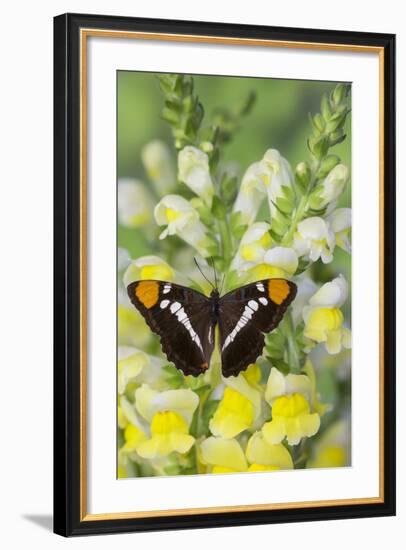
x: 224, y: 274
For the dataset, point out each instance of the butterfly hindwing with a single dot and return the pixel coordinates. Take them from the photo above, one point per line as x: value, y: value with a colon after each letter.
x: 245, y: 314
x: 181, y: 317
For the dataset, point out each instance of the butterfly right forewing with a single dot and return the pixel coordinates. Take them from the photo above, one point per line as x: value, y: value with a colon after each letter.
x: 245, y: 314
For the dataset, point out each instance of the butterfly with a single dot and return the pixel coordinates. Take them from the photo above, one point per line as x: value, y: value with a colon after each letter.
x: 186, y: 319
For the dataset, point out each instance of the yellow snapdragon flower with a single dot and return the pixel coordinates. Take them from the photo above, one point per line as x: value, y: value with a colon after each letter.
x: 291, y: 400
x: 169, y: 433
x: 234, y: 414
x: 241, y: 404
x: 225, y: 456
x: 265, y: 456
x: 169, y: 414
x: 324, y: 318
x: 291, y: 418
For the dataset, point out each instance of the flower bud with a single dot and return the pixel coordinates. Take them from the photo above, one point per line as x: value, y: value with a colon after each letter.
x: 303, y: 174
x: 334, y: 184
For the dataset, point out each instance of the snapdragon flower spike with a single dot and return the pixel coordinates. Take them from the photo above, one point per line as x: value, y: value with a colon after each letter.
x: 134, y: 203
x: 194, y: 171
x: 324, y: 318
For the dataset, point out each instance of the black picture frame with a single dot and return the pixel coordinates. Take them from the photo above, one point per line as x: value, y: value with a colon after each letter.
x: 67, y: 288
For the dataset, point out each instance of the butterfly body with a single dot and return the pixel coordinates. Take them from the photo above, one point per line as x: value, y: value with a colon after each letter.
x: 186, y: 320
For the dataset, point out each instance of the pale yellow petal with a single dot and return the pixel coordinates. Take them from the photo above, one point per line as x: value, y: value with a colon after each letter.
x: 275, y: 386
x: 234, y: 414
x: 225, y: 453
x: 275, y: 430
x: 259, y: 451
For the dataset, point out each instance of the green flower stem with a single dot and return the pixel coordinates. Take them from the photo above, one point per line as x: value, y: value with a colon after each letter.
x: 301, y: 209
x: 292, y: 349
x: 226, y: 242
x: 297, y: 217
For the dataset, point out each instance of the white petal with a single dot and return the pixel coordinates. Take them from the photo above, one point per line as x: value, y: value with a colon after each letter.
x: 332, y: 294
x: 285, y: 258
x: 314, y: 228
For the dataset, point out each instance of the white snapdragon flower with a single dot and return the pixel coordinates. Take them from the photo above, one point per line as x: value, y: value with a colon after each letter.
x: 253, y: 245
x: 134, y: 203
x: 279, y: 261
x: 183, y: 220
x: 148, y: 402
x: 276, y: 174
x: 251, y: 194
x: 146, y: 268
x: 324, y: 318
x: 340, y: 223
x: 159, y: 166
x: 315, y: 239
x: 334, y: 184
x: 194, y: 171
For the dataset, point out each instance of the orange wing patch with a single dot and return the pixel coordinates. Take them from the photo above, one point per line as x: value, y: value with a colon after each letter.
x: 278, y: 290
x: 147, y: 293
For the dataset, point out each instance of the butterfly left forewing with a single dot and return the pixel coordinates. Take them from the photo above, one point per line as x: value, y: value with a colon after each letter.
x: 180, y: 316
x: 245, y: 314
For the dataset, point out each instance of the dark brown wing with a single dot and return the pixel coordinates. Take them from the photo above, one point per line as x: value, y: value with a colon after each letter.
x: 181, y: 318
x: 245, y: 314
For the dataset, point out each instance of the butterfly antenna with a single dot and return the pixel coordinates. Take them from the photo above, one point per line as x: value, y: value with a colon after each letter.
x: 199, y: 268
x: 215, y: 273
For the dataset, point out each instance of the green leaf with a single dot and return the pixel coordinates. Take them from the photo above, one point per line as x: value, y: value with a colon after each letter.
x: 284, y: 205
x: 218, y: 208
x: 281, y: 365
x: 209, y: 409
x: 174, y: 377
